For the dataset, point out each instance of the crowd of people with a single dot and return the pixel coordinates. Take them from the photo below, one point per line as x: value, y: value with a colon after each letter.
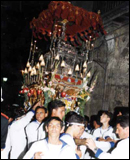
x: 51, y: 133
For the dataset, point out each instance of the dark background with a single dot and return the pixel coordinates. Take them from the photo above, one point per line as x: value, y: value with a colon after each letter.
x: 15, y: 41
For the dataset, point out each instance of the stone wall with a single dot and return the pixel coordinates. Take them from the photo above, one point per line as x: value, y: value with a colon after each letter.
x: 111, y: 61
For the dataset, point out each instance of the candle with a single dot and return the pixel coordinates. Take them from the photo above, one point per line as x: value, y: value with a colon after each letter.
x: 26, y: 72
x: 38, y: 66
x: 57, y: 57
x: 41, y: 58
x: 85, y: 65
x: 77, y: 68
x: 89, y: 74
x: 28, y: 64
x: 70, y: 72
x: 63, y: 64
x: 43, y: 63
x: 34, y: 71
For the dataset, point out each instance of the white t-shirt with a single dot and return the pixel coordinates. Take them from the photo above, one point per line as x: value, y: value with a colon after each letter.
x: 54, y: 150
x: 63, y: 151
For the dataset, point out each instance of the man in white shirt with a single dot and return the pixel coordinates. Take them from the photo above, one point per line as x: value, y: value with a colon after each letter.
x: 52, y: 147
x: 74, y: 125
x: 17, y: 134
x: 33, y: 130
x: 105, y: 131
x: 122, y: 149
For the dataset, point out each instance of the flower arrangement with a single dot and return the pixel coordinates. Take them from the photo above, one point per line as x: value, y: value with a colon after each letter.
x: 49, y: 89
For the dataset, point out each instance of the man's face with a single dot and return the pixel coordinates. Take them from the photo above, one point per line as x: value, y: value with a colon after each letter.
x: 78, y: 131
x: 54, y: 128
x: 59, y: 112
x: 40, y: 114
x: 104, y: 118
x: 122, y: 132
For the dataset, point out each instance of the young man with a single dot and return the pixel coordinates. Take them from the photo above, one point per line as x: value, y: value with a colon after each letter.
x: 33, y: 131
x: 105, y: 131
x: 56, y: 108
x: 17, y: 134
x: 74, y: 127
x: 122, y: 149
x: 52, y: 147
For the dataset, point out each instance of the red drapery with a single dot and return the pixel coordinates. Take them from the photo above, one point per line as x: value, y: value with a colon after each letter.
x: 81, y: 22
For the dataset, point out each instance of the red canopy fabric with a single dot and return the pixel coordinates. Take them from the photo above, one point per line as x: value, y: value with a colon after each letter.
x: 81, y: 21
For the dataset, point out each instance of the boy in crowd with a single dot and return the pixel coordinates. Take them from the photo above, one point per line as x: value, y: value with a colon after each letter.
x: 33, y: 132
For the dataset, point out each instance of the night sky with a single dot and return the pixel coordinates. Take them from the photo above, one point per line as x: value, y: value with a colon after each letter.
x: 15, y: 41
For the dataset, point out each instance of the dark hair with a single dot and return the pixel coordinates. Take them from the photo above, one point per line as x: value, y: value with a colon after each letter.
x: 53, y: 118
x: 97, y: 119
x: 39, y: 107
x: 123, y: 110
x: 117, y: 110
x: 73, y: 117
x: 86, y: 118
x: 123, y: 121
x: 54, y: 104
x: 18, y: 112
x: 109, y: 114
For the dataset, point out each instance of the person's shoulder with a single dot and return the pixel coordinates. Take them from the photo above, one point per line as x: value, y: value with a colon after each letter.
x: 40, y: 143
x: 65, y: 136
x: 97, y: 130
x: 124, y: 141
x: 111, y: 128
x: 31, y: 124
